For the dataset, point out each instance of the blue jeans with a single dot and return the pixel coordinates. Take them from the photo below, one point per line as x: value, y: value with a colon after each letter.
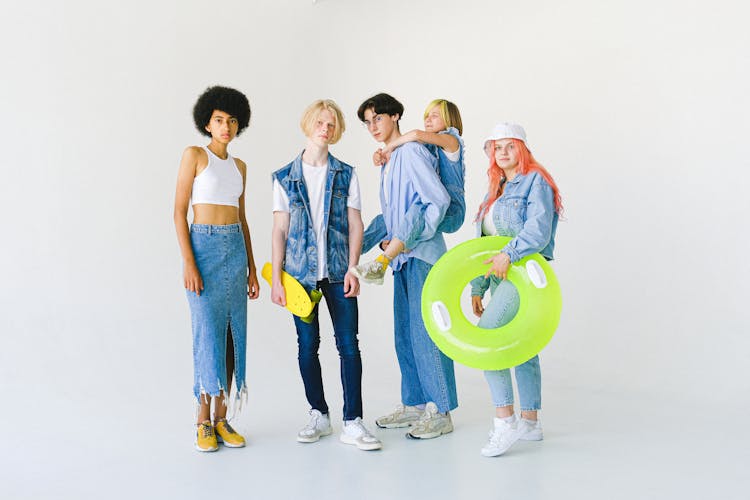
x: 501, y: 309
x: 344, y: 315
x: 426, y: 373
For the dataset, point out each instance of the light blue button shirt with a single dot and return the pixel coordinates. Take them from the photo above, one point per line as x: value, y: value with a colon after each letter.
x: 412, y: 177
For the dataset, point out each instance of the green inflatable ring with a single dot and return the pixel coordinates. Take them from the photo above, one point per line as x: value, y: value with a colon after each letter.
x: 499, y: 348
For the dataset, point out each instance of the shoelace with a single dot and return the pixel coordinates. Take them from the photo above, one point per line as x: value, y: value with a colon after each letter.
x: 207, y: 430
x: 497, y: 437
x: 426, y: 416
x: 312, y: 425
x: 362, y: 431
x: 398, y: 412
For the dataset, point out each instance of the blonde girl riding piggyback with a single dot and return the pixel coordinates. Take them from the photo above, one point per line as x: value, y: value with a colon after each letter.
x: 442, y: 136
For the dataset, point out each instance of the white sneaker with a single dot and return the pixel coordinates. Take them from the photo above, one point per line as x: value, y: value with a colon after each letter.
x: 354, y: 432
x: 530, y: 430
x: 319, y: 425
x: 502, y: 437
x: 431, y: 424
x: 371, y: 272
x: 402, y: 416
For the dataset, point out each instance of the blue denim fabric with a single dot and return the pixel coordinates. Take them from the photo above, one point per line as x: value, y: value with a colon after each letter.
x: 413, y: 179
x: 301, y: 258
x: 499, y: 311
x: 452, y: 176
x: 374, y: 233
x: 344, y: 314
x: 222, y: 262
x: 426, y: 373
x: 526, y: 212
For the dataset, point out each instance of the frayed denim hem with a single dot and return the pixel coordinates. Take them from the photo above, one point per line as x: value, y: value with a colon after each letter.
x: 235, y: 402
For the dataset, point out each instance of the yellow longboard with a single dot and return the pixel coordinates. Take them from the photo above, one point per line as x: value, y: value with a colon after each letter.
x: 298, y: 301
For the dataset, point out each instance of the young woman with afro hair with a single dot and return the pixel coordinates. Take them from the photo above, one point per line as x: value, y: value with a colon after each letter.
x: 218, y: 266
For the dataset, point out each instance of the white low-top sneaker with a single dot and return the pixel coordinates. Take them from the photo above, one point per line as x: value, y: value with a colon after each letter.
x: 319, y: 425
x: 502, y: 437
x: 402, y: 416
x: 354, y: 432
x: 530, y: 430
x: 431, y: 424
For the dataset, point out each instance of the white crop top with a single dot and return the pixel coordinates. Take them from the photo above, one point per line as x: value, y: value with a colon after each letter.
x: 220, y: 183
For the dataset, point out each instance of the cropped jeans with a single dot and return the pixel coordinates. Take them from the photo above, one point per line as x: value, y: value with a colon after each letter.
x: 344, y: 315
x: 502, y: 307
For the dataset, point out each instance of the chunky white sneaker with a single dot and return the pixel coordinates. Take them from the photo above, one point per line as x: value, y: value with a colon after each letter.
x: 530, y: 430
x: 431, y: 424
x: 402, y: 416
x: 319, y: 425
x: 371, y: 272
x: 354, y: 432
x: 502, y: 437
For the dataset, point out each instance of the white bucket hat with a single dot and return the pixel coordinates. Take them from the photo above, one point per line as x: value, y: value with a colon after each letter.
x: 506, y: 130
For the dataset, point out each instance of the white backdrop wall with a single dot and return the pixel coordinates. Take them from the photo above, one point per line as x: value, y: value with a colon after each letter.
x: 639, y: 109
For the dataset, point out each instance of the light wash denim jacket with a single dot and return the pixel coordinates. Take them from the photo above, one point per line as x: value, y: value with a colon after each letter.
x: 413, y: 179
x: 526, y: 212
x: 301, y: 259
x: 451, y: 174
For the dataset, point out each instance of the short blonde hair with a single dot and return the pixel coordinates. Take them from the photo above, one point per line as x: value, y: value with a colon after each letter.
x: 311, y: 115
x: 448, y: 112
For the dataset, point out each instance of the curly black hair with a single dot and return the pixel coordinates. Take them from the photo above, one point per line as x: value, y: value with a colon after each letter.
x: 224, y: 99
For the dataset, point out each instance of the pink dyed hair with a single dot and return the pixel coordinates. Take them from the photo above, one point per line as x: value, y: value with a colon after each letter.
x: 526, y: 163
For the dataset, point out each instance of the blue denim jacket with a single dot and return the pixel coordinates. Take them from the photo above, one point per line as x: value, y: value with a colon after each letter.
x: 526, y: 212
x: 413, y: 179
x: 301, y: 259
x: 452, y: 176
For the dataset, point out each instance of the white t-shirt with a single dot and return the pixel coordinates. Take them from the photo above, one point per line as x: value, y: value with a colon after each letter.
x: 488, y: 225
x: 452, y: 156
x: 315, y: 180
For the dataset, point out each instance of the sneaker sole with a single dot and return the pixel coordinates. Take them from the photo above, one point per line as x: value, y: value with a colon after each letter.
x: 362, y: 446
x: 208, y: 450
x: 399, y: 425
x: 429, y: 435
x: 231, y: 445
x: 314, y: 439
x: 494, y: 453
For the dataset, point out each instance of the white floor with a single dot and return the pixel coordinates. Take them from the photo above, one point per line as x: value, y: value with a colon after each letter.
x: 598, y: 444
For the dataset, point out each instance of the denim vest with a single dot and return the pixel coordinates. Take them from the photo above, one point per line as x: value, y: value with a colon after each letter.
x: 301, y: 258
x: 452, y: 174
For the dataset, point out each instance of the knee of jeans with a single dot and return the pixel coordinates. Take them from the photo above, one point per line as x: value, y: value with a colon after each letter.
x: 308, y: 347
x: 348, y: 347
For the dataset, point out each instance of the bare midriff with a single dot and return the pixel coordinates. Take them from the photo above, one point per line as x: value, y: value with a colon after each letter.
x: 215, y: 215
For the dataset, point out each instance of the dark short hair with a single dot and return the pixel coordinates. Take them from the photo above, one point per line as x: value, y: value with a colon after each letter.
x: 224, y: 99
x: 381, y: 104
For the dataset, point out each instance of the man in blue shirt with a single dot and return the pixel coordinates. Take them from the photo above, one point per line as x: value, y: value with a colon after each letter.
x: 409, y: 176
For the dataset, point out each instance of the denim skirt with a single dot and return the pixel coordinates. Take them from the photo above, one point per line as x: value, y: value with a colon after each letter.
x: 221, y: 308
